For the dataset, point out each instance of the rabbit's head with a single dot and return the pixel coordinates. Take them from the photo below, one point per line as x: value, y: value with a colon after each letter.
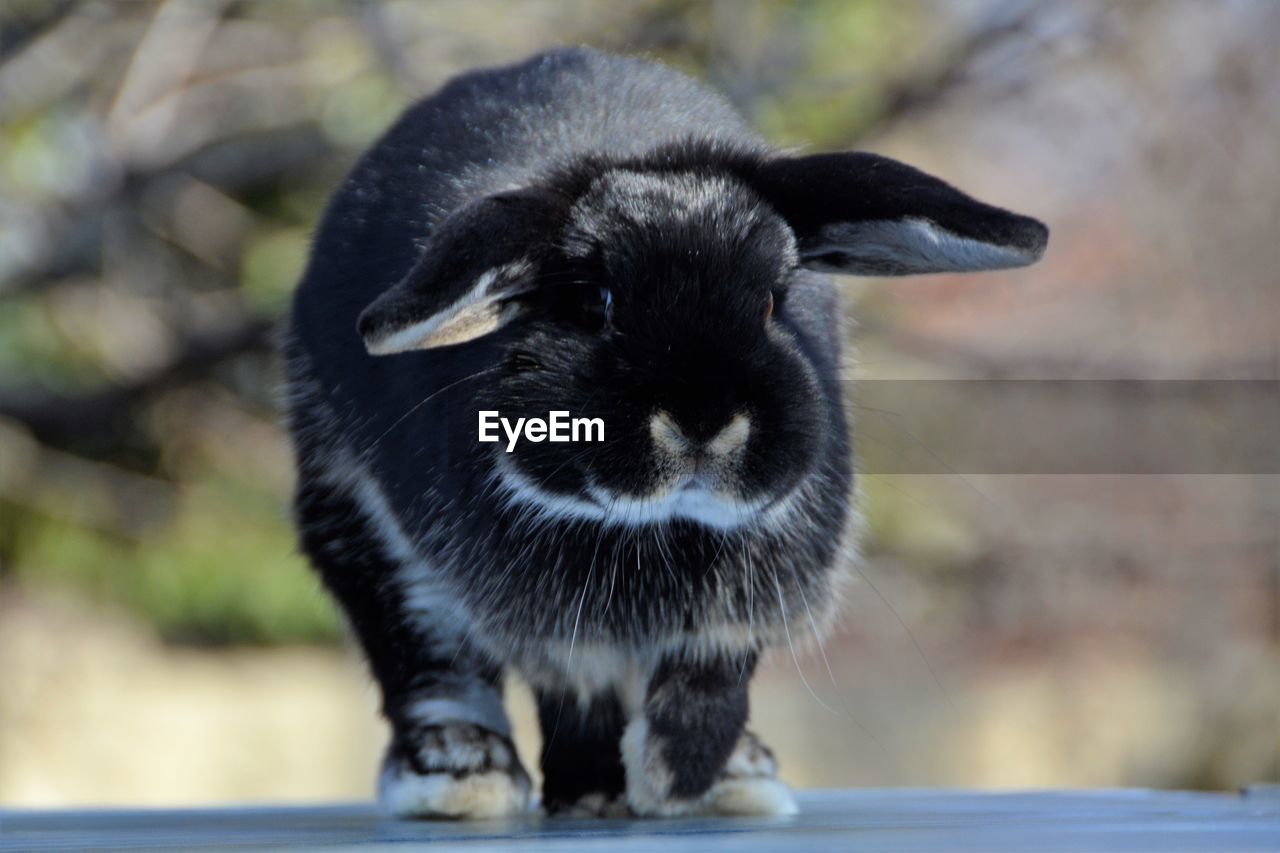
x: 664, y: 296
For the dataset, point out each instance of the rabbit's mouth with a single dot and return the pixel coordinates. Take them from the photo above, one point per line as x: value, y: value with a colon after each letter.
x: 695, y: 496
x: 698, y: 480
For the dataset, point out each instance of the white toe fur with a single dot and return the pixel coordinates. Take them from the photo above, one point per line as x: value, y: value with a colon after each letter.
x: 750, y: 787
x: 647, y: 778
x: 474, y: 796
x: 747, y: 797
x: 596, y: 806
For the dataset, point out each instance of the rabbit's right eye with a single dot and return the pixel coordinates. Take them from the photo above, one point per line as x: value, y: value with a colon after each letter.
x: 598, y: 305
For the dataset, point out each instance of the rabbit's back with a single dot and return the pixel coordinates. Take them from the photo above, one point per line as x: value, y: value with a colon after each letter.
x: 490, y: 129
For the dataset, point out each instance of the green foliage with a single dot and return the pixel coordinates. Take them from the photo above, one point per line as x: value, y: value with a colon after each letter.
x: 907, y: 520
x: 272, y: 265
x: 835, y: 92
x: 224, y: 568
x: 32, y: 346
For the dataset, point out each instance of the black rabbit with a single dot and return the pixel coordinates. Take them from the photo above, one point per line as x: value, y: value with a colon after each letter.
x: 600, y: 236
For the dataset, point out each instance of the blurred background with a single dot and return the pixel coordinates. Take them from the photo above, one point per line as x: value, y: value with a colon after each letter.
x: 162, y: 165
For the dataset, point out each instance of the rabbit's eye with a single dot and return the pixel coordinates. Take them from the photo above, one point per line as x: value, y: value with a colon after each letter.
x: 599, y: 305
x: 768, y: 311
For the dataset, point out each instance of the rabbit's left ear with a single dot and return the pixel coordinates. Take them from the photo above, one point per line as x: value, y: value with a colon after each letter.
x: 466, y: 282
x: 863, y: 214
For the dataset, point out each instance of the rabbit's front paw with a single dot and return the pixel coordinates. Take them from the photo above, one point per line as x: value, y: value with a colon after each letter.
x: 749, y: 783
x: 454, y: 770
x: 595, y: 804
x: 651, y: 790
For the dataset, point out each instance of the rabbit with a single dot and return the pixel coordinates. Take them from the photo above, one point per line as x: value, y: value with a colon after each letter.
x: 603, y: 236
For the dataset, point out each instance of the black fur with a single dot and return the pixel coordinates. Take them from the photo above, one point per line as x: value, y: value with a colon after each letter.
x: 580, y: 748
x: 615, y: 239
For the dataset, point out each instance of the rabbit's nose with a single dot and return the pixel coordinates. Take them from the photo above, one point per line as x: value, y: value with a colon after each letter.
x: 727, y: 441
x: 732, y: 439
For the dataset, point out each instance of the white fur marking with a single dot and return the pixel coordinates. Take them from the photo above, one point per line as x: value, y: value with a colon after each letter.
x: 424, y: 591
x: 479, y: 705
x: 596, y: 806
x: 732, y: 438
x: 706, y: 507
x: 910, y: 245
x: 750, y: 797
x: 700, y: 505
x: 474, y: 314
x: 666, y: 435
x: 476, y: 796
x: 646, y: 785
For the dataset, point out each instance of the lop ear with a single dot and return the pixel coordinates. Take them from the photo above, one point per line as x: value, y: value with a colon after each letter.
x: 864, y: 214
x: 477, y: 260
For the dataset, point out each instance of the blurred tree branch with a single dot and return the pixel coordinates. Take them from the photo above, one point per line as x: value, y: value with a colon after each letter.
x: 239, y: 166
x: 16, y: 32
x: 100, y: 417
x: 929, y: 86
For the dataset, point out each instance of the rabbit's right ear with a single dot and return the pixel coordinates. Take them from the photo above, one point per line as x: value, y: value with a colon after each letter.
x: 475, y: 263
x: 860, y: 213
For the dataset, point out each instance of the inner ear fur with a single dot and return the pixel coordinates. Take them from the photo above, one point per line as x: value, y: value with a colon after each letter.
x: 860, y: 213
x: 477, y: 260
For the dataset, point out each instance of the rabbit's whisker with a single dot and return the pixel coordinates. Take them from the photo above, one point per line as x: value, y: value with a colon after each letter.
x: 782, y: 609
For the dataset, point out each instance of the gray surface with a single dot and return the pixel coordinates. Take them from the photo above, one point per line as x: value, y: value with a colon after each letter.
x: 829, y: 820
